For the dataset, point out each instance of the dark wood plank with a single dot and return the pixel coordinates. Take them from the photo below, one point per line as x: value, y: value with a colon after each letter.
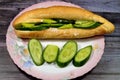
x: 109, y: 64
x: 99, y: 5
x: 5, y: 19
x: 107, y: 69
x: 3, y: 29
x: 13, y: 75
x: 3, y: 39
x: 18, y: 4
x: 6, y: 1
x: 101, y: 77
x: 111, y: 51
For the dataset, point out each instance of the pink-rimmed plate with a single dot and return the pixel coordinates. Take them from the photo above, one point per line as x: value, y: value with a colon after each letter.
x: 18, y: 51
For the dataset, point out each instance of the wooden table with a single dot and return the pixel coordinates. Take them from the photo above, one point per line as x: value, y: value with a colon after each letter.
x: 109, y: 66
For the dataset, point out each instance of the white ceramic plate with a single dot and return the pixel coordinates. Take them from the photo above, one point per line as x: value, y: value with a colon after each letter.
x: 18, y: 51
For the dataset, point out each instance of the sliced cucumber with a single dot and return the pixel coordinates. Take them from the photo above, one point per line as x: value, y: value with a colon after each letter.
x: 49, y: 25
x: 49, y: 21
x: 27, y: 25
x: 33, y: 27
x: 45, y: 26
x: 38, y: 28
x: 56, y: 25
x: 82, y: 56
x: 35, y: 50
x: 66, y: 26
x: 67, y: 53
x: 50, y: 53
x: 86, y: 24
x: 64, y: 21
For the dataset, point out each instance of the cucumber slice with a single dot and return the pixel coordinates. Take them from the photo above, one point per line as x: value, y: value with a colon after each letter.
x: 45, y: 26
x: 86, y: 24
x: 67, y: 53
x: 82, y: 56
x: 64, y: 21
x: 38, y: 27
x: 56, y: 25
x: 50, y: 25
x: 66, y: 26
x: 35, y: 50
x: 49, y: 21
x: 27, y: 25
x: 50, y: 53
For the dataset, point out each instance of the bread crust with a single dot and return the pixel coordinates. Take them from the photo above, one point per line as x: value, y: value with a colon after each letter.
x: 65, y: 12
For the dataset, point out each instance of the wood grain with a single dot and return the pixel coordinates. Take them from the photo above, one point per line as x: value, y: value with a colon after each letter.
x: 102, y: 77
x: 107, y: 69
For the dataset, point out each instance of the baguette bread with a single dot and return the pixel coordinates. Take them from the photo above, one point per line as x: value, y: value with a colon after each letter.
x: 65, y: 12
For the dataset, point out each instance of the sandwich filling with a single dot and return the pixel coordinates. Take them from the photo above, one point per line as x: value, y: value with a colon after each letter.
x: 57, y: 23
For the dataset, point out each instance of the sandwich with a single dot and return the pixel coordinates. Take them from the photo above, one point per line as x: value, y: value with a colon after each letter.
x: 60, y: 22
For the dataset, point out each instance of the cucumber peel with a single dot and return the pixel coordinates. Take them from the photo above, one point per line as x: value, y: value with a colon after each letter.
x: 67, y: 53
x: 28, y: 25
x: 82, y: 56
x: 50, y: 53
x: 66, y: 26
x: 35, y: 50
x: 49, y: 21
x: 86, y: 24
